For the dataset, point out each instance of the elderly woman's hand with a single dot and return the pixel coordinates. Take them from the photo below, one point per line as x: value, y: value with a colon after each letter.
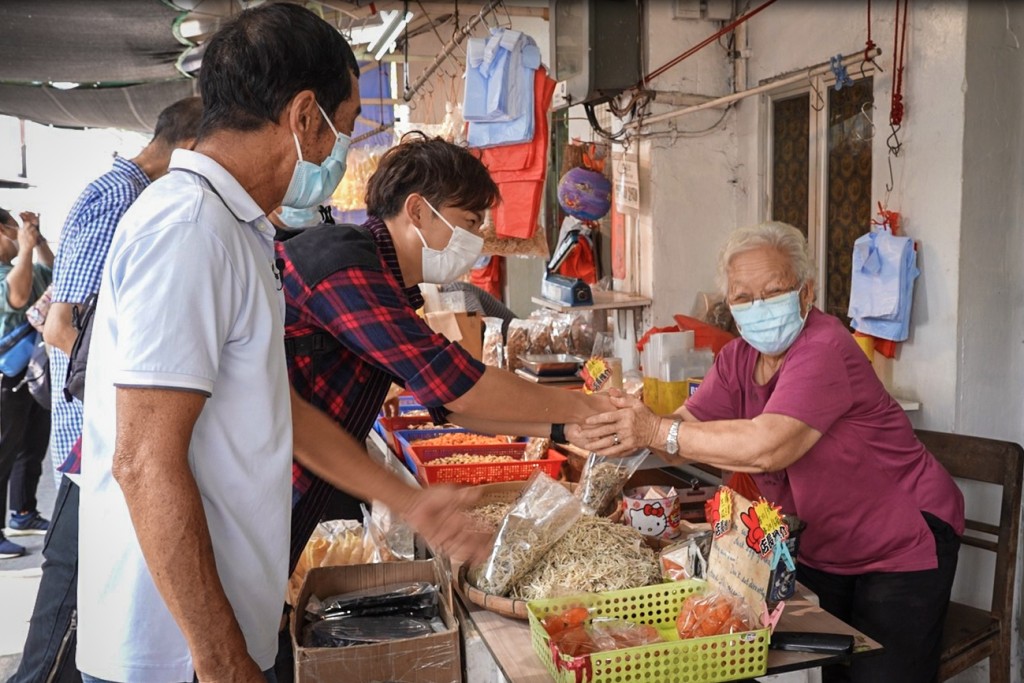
x: 620, y: 432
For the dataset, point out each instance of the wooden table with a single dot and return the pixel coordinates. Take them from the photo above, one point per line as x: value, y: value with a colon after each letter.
x: 509, y: 639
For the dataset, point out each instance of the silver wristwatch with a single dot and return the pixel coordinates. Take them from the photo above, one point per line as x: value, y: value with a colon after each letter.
x: 672, y: 441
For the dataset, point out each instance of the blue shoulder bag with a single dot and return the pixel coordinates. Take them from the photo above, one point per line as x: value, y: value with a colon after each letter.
x: 16, y: 348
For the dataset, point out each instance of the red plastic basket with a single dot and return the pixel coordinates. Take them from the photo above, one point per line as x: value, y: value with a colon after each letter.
x: 484, y: 472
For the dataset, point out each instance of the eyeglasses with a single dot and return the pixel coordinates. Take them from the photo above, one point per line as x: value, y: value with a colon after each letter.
x: 767, y: 295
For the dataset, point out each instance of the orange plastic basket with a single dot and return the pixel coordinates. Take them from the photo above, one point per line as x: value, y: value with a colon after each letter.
x: 484, y: 472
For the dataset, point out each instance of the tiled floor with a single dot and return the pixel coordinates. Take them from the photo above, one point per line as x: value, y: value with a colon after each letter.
x: 19, y: 580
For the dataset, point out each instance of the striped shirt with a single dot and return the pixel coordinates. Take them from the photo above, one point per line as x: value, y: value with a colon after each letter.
x: 77, y: 268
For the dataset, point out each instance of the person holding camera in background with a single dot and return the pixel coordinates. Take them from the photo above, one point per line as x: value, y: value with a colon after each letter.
x: 24, y: 424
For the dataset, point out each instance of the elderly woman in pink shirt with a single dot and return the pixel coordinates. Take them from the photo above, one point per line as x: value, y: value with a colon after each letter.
x: 796, y: 403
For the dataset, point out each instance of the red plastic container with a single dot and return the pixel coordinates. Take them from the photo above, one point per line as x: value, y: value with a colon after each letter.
x: 484, y: 472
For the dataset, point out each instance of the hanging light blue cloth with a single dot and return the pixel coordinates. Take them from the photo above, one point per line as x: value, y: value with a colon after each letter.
x: 487, y: 94
x: 496, y: 84
x: 882, y: 286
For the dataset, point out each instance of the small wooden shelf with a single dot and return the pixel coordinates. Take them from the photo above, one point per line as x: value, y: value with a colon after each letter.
x: 908, y: 405
x: 603, y: 301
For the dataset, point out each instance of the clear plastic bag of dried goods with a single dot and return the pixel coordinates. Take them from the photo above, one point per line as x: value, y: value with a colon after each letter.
x: 603, y: 479
x: 561, y: 333
x: 540, y: 332
x: 541, y: 516
x: 517, y: 343
x: 493, y: 353
x: 537, y: 448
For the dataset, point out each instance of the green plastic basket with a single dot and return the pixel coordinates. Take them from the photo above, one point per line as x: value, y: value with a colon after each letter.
x: 697, y: 660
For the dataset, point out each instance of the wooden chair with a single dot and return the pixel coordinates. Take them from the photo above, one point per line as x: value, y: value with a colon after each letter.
x: 971, y: 634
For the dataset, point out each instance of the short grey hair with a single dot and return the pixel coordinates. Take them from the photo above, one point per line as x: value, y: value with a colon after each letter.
x: 781, y: 236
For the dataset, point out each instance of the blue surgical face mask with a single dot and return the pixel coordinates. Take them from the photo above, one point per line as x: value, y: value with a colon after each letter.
x: 312, y: 184
x: 298, y: 219
x: 770, y: 325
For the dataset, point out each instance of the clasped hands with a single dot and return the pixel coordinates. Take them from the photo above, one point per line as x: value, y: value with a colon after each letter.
x: 629, y: 426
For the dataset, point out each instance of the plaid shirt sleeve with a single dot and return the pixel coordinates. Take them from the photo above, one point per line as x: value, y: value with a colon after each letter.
x: 367, y: 311
x: 73, y: 463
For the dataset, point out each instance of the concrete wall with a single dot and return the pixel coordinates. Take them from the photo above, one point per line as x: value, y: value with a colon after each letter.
x: 990, y: 368
x: 689, y: 183
x: 991, y: 386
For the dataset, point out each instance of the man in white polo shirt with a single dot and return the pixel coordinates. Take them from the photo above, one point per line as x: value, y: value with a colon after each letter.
x: 190, y: 425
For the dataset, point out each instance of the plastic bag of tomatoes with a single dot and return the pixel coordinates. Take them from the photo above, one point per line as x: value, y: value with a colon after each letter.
x: 575, y: 634
x: 714, y: 614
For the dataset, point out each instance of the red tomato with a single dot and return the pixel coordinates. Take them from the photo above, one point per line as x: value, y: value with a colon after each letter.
x: 553, y: 624
x: 576, y: 616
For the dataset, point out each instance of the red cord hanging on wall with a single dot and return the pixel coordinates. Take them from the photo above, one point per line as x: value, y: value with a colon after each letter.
x: 899, y: 45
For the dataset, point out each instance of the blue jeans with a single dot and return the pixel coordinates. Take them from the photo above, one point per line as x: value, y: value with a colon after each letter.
x: 49, y: 653
x: 86, y: 678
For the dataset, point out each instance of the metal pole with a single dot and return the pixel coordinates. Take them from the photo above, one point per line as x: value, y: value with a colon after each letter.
x: 457, y: 39
x: 822, y: 68
x: 24, y: 150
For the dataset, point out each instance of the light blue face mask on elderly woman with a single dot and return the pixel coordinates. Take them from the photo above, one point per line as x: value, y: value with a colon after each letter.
x: 770, y: 325
x: 312, y: 184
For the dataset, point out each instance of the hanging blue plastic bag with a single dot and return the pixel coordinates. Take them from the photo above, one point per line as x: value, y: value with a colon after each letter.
x: 16, y: 348
x: 882, y: 284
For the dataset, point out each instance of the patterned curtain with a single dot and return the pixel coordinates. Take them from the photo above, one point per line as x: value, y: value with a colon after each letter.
x: 791, y: 122
x: 849, y: 187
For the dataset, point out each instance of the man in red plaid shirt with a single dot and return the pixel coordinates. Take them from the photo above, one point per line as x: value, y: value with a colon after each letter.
x: 351, y: 324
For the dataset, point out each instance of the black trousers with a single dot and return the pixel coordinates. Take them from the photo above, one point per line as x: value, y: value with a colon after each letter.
x: 49, y: 653
x: 904, y: 611
x: 24, y: 435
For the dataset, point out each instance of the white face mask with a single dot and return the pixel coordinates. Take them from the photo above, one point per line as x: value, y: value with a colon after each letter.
x: 455, y: 260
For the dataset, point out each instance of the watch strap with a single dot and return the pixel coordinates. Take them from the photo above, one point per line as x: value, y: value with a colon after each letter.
x: 558, y: 433
x: 672, y: 441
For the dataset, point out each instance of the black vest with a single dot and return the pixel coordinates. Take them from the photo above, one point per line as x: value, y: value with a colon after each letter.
x: 317, y: 253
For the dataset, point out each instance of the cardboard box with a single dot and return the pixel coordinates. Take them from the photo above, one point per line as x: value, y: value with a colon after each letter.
x: 427, y: 659
x: 464, y: 328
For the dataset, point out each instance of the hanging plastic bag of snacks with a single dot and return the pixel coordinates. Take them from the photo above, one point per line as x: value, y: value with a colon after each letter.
x: 493, y: 353
x: 603, y: 479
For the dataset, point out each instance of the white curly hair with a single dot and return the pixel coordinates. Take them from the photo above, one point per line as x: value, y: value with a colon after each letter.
x: 781, y: 236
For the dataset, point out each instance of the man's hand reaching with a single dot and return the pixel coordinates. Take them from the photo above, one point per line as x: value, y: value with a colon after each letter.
x: 439, y: 515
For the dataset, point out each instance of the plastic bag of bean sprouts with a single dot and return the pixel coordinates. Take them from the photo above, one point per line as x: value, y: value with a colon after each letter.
x: 541, y: 516
x: 603, y: 479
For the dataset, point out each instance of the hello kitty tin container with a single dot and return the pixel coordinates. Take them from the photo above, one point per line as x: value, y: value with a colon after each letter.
x: 652, y: 510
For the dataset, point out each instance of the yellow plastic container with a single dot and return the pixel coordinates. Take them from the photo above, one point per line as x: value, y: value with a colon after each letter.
x: 651, y: 393
x: 672, y: 395
x: 709, y: 660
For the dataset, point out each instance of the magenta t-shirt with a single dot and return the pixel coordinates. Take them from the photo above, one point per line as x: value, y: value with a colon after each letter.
x: 861, y: 489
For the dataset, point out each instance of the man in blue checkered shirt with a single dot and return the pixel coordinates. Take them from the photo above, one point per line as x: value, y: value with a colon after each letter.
x: 84, y: 241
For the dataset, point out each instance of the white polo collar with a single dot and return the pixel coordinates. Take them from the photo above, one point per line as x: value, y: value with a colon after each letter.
x: 236, y: 198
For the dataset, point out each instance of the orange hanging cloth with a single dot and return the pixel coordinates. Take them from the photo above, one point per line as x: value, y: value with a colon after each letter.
x: 519, y: 170
x: 488, y: 278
